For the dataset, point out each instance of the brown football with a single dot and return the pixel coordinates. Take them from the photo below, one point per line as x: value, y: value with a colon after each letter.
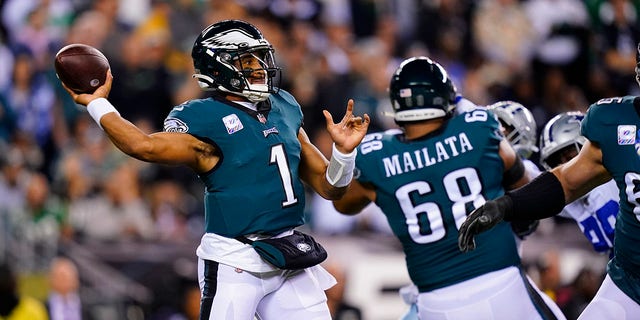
x: 82, y: 68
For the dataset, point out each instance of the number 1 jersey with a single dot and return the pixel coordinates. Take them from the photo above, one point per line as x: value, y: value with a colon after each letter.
x: 255, y: 187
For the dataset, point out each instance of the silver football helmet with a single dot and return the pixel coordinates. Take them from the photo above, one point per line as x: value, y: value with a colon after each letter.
x: 560, y: 133
x: 519, y: 124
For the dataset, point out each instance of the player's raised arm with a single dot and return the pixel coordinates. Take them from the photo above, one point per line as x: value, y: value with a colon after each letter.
x: 161, y: 147
x: 543, y: 197
x: 329, y: 178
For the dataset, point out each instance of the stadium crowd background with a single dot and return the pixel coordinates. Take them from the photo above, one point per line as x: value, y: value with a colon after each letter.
x: 131, y: 228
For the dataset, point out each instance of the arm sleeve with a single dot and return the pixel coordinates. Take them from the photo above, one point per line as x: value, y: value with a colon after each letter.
x: 541, y: 198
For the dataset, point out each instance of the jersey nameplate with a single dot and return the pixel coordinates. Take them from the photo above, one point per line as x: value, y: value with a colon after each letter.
x: 448, y: 148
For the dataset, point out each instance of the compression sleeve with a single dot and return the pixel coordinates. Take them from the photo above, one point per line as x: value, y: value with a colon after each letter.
x: 541, y: 198
x: 514, y: 173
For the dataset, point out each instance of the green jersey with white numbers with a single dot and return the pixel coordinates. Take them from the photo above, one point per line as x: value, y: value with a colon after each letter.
x: 426, y: 187
x: 255, y: 187
x: 613, y: 125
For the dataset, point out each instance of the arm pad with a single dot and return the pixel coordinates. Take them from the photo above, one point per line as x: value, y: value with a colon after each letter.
x: 98, y: 108
x: 541, y: 198
x: 340, y: 169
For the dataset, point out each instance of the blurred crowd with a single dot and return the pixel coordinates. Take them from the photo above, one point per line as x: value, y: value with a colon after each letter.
x: 63, y: 183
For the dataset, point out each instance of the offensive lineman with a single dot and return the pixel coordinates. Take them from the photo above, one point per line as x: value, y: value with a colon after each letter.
x: 425, y: 178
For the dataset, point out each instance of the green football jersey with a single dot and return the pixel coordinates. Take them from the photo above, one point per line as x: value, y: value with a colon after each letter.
x: 255, y: 187
x: 426, y: 188
x: 612, y: 124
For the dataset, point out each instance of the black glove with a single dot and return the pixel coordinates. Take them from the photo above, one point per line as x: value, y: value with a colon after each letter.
x: 482, y: 219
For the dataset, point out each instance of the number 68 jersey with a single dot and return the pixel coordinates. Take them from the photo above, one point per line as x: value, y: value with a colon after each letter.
x: 427, y: 186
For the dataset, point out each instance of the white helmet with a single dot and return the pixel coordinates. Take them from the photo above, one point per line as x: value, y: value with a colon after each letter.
x: 561, y: 132
x: 519, y: 123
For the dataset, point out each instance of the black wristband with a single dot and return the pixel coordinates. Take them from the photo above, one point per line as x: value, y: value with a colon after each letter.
x: 514, y: 173
x: 541, y: 198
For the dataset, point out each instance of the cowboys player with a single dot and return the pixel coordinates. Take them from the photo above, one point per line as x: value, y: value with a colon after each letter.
x: 248, y: 147
x: 520, y: 128
x: 425, y: 178
x: 610, y: 152
x: 596, y: 212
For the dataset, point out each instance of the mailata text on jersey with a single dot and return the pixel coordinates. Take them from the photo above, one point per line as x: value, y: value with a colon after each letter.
x: 444, y: 150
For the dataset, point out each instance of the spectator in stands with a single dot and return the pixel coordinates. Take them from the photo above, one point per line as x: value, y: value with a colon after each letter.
x: 170, y: 208
x: 32, y: 99
x: 117, y: 214
x: 619, y: 35
x: 503, y: 34
x: 14, y: 306
x: 36, y: 226
x: 14, y: 177
x: 64, y: 301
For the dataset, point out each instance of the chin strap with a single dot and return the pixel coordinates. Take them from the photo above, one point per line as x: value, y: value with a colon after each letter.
x: 257, y: 92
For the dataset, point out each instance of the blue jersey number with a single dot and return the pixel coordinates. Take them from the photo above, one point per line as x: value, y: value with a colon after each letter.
x: 599, y: 228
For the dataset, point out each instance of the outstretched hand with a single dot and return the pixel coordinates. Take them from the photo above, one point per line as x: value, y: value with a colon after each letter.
x: 85, y: 98
x: 348, y: 133
x: 478, y: 221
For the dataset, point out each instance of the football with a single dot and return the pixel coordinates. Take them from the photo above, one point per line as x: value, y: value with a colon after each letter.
x: 82, y: 68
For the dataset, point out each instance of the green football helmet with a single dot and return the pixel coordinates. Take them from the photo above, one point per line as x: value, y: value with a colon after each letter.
x: 420, y: 89
x: 216, y: 53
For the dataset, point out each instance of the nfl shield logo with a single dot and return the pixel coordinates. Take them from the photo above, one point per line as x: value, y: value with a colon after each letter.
x: 232, y: 123
x: 262, y: 118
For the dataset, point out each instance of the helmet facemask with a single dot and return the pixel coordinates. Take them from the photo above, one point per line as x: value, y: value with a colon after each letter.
x: 560, y: 136
x: 519, y: 124
x: 230, y: 55
x: 256, y: 83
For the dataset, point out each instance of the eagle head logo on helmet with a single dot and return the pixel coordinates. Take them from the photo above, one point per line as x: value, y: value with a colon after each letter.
x: 219, y: 46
